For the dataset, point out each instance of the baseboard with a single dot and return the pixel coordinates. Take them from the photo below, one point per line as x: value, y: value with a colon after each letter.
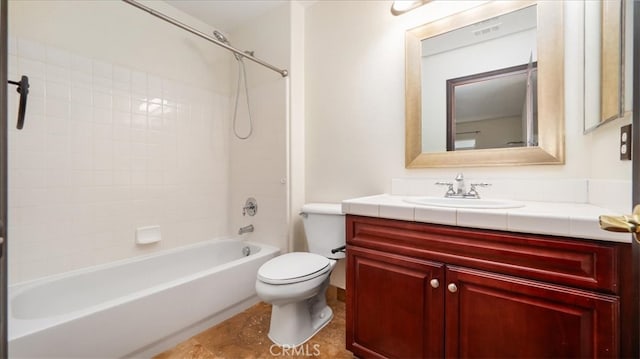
x: 336, y: 293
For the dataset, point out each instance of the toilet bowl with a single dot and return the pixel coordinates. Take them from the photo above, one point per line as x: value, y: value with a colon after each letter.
x: 299, y: 306
x: 295, y: 283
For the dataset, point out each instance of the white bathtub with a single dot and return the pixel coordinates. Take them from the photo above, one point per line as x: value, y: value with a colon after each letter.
x: 135, y: 307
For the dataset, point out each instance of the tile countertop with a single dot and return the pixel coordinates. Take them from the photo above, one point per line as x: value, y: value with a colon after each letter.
x: 579, y: 220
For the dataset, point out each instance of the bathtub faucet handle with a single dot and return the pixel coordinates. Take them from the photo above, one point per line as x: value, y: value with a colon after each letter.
x: 250, y: 207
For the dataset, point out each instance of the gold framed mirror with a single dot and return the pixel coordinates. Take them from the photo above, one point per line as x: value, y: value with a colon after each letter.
x: 549, y: 53
x: 604, y: 62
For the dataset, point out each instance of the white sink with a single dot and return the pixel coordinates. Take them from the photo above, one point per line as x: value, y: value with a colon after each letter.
x: 479, y: 203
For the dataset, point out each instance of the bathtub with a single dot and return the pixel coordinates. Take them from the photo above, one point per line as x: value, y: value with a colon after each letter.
x: 134, y: 307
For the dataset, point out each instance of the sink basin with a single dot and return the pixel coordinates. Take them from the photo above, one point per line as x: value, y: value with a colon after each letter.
x: 480, y: 203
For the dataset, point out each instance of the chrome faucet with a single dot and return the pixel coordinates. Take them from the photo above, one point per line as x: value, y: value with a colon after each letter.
x: 246, y: 229
x: 460, y: 190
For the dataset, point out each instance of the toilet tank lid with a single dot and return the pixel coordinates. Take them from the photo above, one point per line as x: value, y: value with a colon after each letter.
x: 323, y: 208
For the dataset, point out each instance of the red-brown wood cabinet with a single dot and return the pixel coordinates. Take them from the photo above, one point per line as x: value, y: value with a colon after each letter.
x: 416, y: 290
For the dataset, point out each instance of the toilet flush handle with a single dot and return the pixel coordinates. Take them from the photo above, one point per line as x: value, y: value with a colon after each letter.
x: 339, y: 249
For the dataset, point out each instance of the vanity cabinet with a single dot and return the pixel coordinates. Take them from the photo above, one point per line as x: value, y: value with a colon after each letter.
x: 417, y: 290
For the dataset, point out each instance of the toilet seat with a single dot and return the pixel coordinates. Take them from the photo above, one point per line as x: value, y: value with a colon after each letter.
x: 293, y: 268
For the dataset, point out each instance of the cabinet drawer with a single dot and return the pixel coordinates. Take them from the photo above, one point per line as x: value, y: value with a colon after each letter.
x: 577, y: 263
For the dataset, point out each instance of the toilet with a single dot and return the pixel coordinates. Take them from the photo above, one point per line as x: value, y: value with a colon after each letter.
x: 295, y: 283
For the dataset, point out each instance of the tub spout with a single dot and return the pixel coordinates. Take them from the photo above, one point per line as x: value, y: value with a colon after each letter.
x: 246, y: 229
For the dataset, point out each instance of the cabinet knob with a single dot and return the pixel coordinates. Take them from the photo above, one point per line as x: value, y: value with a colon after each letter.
x: 452, y: 288
x: 435, y: 283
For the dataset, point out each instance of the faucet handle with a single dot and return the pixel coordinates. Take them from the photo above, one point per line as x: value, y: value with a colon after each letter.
x: 450, y: 184
x: 473, y: 193
x: 250, y: 207
x: 450, y: 190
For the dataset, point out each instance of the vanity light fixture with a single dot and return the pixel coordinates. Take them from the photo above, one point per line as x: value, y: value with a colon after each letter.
x: 401, y: 6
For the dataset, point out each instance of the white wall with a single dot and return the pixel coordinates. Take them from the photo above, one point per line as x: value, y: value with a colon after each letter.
x: 127, y: 126
x: 605, y: 140
x: 352, y: 101
x: 258, y: 165
x: 296, y: 150
x: 355, y: 104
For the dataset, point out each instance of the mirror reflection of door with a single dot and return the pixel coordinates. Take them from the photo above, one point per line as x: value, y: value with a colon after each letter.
x: 494, y: 109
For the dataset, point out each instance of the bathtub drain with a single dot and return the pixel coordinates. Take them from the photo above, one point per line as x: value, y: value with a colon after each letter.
x: 246, y: 251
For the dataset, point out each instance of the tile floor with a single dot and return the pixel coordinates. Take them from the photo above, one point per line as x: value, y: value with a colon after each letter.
x: 245, y: 336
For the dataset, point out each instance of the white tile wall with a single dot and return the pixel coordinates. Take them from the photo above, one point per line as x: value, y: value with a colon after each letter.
x: 106, y: 149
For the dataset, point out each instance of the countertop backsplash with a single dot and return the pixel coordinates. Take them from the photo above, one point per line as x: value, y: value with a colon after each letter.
x: 611, y: 194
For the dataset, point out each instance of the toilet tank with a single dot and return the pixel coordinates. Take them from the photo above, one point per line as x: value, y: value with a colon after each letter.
x: 324, y: 228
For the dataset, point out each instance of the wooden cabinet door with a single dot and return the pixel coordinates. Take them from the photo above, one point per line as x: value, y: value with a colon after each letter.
x: 491, y: 315
x: 394, y: 310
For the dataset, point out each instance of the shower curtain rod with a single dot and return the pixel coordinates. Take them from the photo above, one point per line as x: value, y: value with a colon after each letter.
x: 177, y: 23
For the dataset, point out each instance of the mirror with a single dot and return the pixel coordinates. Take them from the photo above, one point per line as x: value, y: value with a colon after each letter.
x: 603, y: 62
x: 537, y: 38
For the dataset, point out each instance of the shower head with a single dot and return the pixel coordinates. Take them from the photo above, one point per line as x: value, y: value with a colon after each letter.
x: 223, y: 39
x: 220, y: 37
